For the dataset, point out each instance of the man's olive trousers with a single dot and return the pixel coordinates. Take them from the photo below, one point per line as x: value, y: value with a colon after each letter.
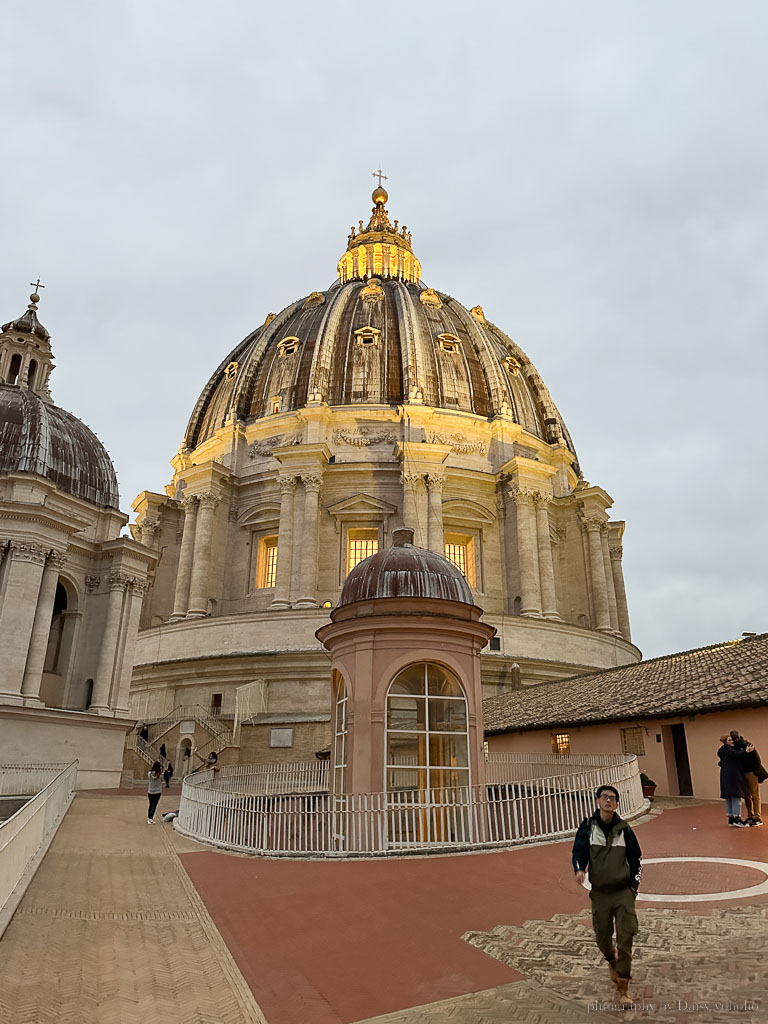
x: 618, y: 907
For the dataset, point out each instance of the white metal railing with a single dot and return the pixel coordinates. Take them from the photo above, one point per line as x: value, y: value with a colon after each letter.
x: 197, y: 713
x: 276, y: 779
x: 228, y: 809
x: 149, y: 753
x: 507, y: 767
x: 51, y: 788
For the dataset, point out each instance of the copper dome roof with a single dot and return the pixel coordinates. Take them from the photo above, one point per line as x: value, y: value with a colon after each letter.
x: 39, y: 437
x: 405, y: 571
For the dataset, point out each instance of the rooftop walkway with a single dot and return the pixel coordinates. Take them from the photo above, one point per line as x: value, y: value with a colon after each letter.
x: 125, y: 922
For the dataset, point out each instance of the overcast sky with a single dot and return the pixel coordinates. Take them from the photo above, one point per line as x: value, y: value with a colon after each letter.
x: 593, y: 174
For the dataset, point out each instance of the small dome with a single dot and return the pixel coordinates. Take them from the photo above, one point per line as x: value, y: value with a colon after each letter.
x: 405, y: 571
x: 39, y: 437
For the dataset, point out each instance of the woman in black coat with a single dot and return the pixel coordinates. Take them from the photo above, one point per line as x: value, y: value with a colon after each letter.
x: 733, y: 786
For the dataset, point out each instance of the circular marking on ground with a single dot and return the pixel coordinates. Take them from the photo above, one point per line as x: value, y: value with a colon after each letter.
x: 760, y: 889
x: 706, y: 897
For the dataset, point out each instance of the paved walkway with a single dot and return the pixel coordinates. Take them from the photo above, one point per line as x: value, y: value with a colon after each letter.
x: 126, y: 922
x: 112, y: 930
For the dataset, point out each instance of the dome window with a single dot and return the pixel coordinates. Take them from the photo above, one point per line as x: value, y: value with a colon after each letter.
x: 274, y: 403
x: 288, y: 346
x: 512, y: 366
x: 367, y: 336
x: 448, y: 342
x: 231, y: 371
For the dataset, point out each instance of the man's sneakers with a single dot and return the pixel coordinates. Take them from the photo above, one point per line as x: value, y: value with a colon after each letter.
x: 150, y: 821
x: 753, y: 822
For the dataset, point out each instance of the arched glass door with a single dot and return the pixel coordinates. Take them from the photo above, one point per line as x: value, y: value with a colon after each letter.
x: 427, y: 755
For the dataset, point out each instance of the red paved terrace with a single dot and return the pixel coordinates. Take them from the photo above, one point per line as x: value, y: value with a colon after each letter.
x: 331, y: 942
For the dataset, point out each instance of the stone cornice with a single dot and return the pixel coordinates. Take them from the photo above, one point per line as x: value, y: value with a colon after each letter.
x: 64, y: 716
x: 60, y: 521
x: 528, y: 471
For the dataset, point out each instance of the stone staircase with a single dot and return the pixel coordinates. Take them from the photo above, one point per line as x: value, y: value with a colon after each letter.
x: 143, y: 752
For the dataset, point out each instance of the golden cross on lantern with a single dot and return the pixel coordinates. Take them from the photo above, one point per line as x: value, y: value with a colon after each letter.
x: 380, y: 174
x: 37, y: 284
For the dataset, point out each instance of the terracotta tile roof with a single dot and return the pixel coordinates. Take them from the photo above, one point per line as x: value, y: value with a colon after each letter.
x: 726, y: 675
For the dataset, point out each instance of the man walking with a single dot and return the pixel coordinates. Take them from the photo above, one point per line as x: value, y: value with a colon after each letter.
x: 607, y: 847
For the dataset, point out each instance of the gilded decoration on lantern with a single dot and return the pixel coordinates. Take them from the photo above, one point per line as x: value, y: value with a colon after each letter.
x: 382, y: 249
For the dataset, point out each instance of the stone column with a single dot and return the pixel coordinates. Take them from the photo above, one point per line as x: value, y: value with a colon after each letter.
x: 592, y: 525
x: 22, y: 589
x: 181, y: 597
x: 414, y: 516
x: 282, y: 598
x: 308, y: 586
x: 198, y: 584
x: 616, y: 552
x: 612, y: 611
x: 38, y: 643
x: 546, y: 566
x: 102, y: 683
x: 149, y: 529
x: 508, y: 534
x: 435, y: 513
x: 527, y: 554
x: 130, y: 630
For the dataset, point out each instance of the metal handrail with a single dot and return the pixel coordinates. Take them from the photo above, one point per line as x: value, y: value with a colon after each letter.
x: 193, y: 711
x: 25, y: 834
x: 242, y: 809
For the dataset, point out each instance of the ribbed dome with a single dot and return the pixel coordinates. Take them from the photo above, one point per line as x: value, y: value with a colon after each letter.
x: 39, y: 437
x: 405, y: 571
x: 379, y: 341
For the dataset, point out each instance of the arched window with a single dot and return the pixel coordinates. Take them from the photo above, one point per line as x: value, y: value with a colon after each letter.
x: 427, y: 731
x: 15, y: 369
x: 339, y: 736
x: 32, y: 373
x: 53, y: 658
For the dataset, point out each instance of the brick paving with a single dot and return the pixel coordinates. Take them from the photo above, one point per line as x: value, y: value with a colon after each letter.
x: 112, y: 930
x: 126, y: 922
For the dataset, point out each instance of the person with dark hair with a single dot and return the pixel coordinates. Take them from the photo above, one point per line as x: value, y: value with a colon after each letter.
x: 607, y: 848
x: 211, y: 761
x: 154, y: 789
x: 754, y: 774
x: 168, y: 774
x: 733, y: 784
x: 144, y: 733
x: 163, y: 752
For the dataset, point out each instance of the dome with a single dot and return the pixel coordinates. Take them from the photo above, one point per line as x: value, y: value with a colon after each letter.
x: 378, y: 336
x: 39, y: 437
x: 405, y: 571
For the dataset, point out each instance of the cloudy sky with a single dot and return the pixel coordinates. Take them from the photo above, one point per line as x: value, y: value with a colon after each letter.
x: 593, y: 174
